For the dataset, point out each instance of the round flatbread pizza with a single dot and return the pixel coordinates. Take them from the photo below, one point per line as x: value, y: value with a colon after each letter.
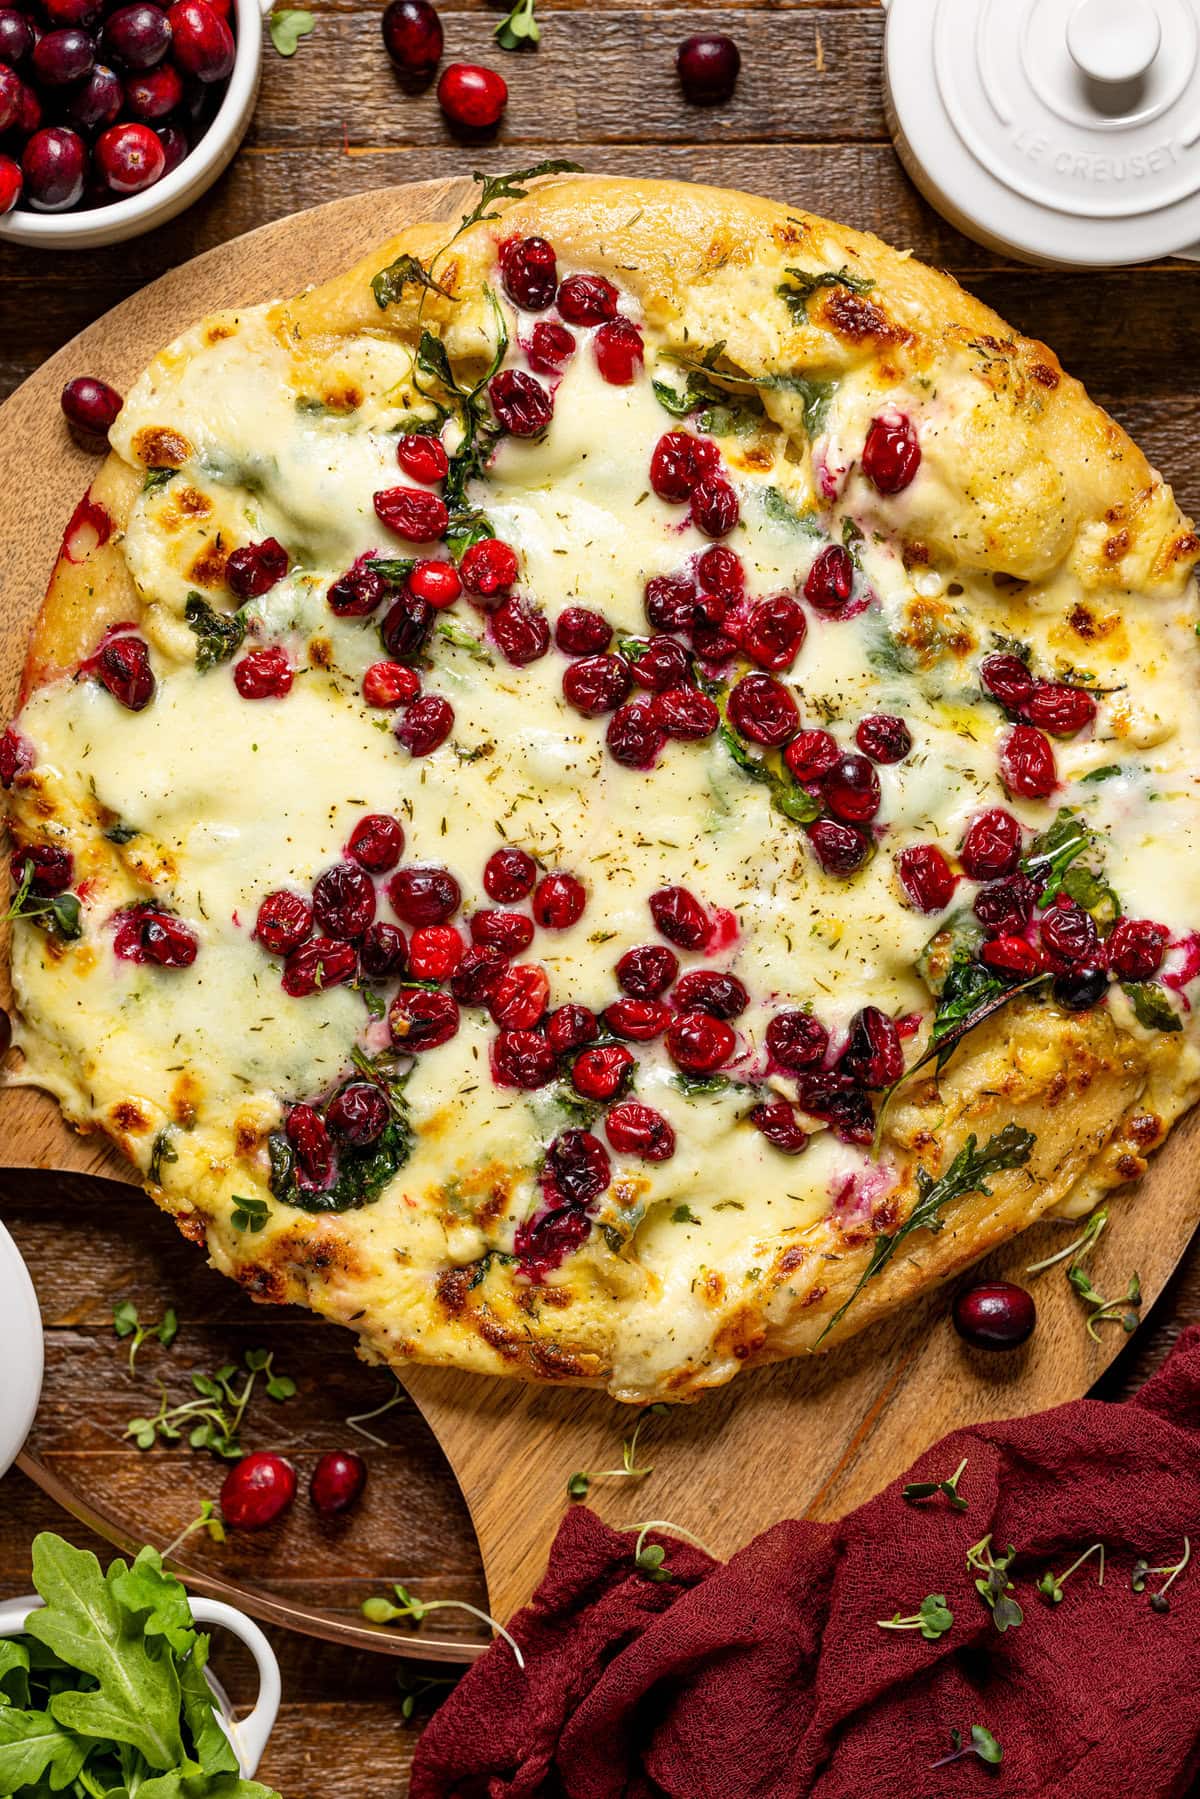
x: 612, y: 794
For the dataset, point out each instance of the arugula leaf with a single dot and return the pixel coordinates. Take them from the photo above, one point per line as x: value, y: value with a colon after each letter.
x: 462, y: 639
x: 14, y: 1672
x: 287, y: 26
x: 211, y: 1747
x: 967, y: 1173
x: 519, y: 28
x: 393, y: 569
x: 157, y: 1599
x: 1151, y: 1005
x: 724, y: 414
x: 218, y: 634
x: 362, y: 1173
x: 1054, y: 850
x: 797, y: 292
x: 510, y: 187
x: 1109, y: 772
x: 787, y: 797
x: 34, y: 1747
x: 782, y: 512
x: 192, y: 1781
x: 407, y: 271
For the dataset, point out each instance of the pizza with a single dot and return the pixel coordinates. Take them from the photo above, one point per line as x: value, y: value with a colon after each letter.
x: 612, y: 794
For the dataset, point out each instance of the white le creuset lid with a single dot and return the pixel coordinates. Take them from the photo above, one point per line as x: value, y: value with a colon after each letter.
x: 1061, y: 131
x: 20, y: 1351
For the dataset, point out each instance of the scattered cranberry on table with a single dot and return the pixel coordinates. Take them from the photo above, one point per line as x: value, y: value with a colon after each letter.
x: 337, y: 1482
x: 708, y: 67
x: 257, y: 1490
x: 413, y: 39
x: 994, y: 1315
x: 471, y: 97
x: 91, y: 408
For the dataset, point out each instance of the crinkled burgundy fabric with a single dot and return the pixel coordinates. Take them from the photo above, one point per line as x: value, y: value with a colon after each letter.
x: 769, y: 1678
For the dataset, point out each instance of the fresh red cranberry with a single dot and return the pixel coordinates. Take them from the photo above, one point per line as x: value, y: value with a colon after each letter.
x: 1012, y: 956
x: 376, y: 842
x: 777, y: 1121
x: 1079, y: 989
x: 489, y: 567
x: 639, y: 1020
x: 256, y: 568
x: 570, y: 1027
x: 797, y: 1040
x: 130, y: 158
x: 337, y: 1482
x: 873, y: 1057
x: 264, y: 674
x: 137, y: 37
x: 383, y: 951
x: 16, y: 756
x: 708, y: 990
x: 577, y: 1168
x: 435, y: 952
x: 509, y: 874
x: 90, y: 406
x: 699, y: 1043
x: 550, y: 347
x: 529, y: 272
x: 53, y: 867
x: 812, y: 755
x: 472, y: 98
x: 1027, y: 765
x: 992, y: 845
x: 344, y: 901
x: 53, y: 166
x: 1005, y: 907
x: 510, y: 931
x: 587, y: 300
x: 202, y: 43
x: 558, y: 901
x: 426, y: 725
x: 596, y: 684
x: 437, y: 583
x: 63, y: 57
x: 647, y: 971
x: 123, y: 667
x: 634, y: 736
x: 320, y: 963
x: 830, y: 580
x: 518, y: 997
x: 422, y: 457
x: 390, y: 684
x: 883, y: 738
x: 708, y: 66
x: 1135, y: 948
x: 257, y: 1490
x: 762, y: 709
x: 838, y: 847
x: 96, y: 102
x: 522, y: 405
x: 619, y: 352
x: 17, y: 39
x: 774, y: 632
x: 413, y: 38
x: 411, y: 512
x: 175, y: 145
x: 891, y: 455
x: 678, y: 463
x: 358, y: 1114
x: 661, y: 663
x: 851, y: 789
x: 926, y: 877
x: 477, y: 974
x: 522, y: 1059
x: 715, y: 508
x: 637, y: 1130
x: 670, y: 602
x: 284, y: 921
x: 680, y: 917
x: 11, y: 183
x: 11, y: 90
x: 151, y: 95
x: 994, y: 1315
x: 1068, y: 934
x: 521, y: 632
x: 686, y: 714
x: 406, y: 627
x: 582, y: 632
x: 427, y: 895
x: 601, y: 1072
x: 1062, y: 711
x: 419, y: 1020
x: 1007, y: 679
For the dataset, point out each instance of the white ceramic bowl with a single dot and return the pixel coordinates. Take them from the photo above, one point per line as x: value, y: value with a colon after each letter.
x: 89, y: 228
x: 20, y: 1351
x: 249, y: 1735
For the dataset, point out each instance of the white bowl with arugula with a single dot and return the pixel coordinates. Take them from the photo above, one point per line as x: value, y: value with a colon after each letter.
x: 105, y: 1688
x: 20, y: 1351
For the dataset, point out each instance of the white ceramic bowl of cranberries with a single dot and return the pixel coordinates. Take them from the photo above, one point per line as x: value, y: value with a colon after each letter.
x: 230, y: 103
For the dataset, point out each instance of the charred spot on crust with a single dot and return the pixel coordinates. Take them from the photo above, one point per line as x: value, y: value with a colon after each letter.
x: 1116, y: 546
x: 157, y: 446
x: 266, y: 1285
x: 452, y: 1288
x: 208, y: 569
x: 342, y: 397
x: 855, y: 318
x: 215, y: 334
x: 1130, y: 1167
x: 127, y: 1115
x: 320, y: 653
x: 496, y: 1337
x: 791, y: 1259
x: 191, y: 1226
x: 554, y: 1363
x: 1044, y: 375
x: 1144, y: 1130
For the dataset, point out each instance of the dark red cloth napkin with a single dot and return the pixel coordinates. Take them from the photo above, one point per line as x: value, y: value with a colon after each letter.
x: 768, y: 1677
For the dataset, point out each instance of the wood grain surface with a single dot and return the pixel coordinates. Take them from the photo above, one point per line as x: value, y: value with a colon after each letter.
x: 806, y: 125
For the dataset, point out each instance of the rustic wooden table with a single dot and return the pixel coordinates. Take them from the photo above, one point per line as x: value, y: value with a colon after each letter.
x: 806, y: 125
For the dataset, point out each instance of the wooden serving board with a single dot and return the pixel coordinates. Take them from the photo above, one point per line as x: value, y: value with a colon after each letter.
x: 811, y: 1437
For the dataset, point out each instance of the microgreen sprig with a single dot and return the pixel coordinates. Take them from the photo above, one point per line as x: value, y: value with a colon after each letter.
x: 379, y: 1610
x: 1124, y: 1311
x: 932, y: 1618
x: 212, y: 1420
x: 650, y: 1558
x: 358, y: 1419
x: 126, y: 1323
x: 57, y: 912
x: 519, y: 28
x: 581, y: 1480
x: 1051, y: 1585
x: 1142, y: 1572
x: 992, y: 1583
x: 208, y: 1519
x: 414, y: 1691
x: 916, y: 1490
x: 1083, y: 1244
x: 982, y: 1743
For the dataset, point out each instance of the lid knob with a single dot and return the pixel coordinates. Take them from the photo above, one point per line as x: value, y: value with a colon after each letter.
x: 1114, y: 41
